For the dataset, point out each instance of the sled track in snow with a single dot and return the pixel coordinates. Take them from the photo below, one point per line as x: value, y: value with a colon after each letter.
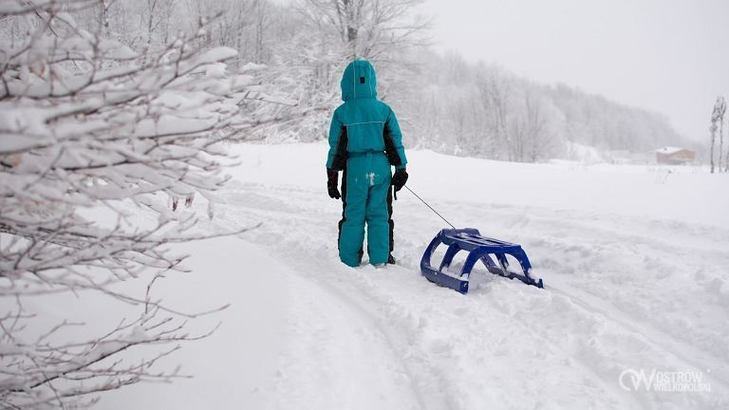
x: 353, y: 293
x: 311, y: 249
x: 345, y: 285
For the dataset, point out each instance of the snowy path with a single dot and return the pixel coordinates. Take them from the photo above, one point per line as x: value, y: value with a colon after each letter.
x: 479, y: 350
x: 636, y: 278
x: 339, y: 356
x: 623, y: 292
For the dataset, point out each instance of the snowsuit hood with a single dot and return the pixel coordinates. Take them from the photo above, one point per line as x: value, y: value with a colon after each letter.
x: 359, y: 81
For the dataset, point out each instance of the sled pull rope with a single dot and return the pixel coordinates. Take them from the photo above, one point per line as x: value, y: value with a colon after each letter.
x: 431, y: 208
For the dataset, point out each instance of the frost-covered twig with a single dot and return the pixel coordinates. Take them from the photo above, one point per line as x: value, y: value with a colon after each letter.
x: 95, y: 138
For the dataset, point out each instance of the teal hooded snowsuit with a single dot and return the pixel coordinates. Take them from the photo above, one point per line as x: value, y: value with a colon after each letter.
x: 365, y: 141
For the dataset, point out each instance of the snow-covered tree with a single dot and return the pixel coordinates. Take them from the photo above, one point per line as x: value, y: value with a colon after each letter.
x: 495, y: 96
x: 371, y: 29
x: 96, y: 141
x: 722, y: 111
x: 717, y: 116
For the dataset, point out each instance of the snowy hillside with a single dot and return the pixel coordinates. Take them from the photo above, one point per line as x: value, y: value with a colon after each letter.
x: 634, y: 261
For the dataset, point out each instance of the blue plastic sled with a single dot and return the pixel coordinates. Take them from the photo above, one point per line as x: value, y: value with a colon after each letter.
x: 492, y: 252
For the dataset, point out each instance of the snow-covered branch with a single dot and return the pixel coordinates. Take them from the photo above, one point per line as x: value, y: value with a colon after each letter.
x: 96, y: 141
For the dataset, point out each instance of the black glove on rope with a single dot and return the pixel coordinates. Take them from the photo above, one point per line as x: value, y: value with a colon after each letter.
x: 332, y: 180
x: 399, y: 179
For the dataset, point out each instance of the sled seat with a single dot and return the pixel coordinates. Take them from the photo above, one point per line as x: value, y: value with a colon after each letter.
x: 492, y: 252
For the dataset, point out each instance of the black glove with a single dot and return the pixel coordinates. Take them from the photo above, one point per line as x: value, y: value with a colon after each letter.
x: 399, y: 179
x: 332, y: 180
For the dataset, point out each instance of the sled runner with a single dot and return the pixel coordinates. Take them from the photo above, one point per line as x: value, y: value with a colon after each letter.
x: 492, y: 252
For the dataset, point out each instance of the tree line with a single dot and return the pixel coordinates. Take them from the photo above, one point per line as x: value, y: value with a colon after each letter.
x: 446, y: 103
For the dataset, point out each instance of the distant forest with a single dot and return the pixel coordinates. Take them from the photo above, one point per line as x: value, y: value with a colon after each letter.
x: 483, y: 110
x: 297, y: 52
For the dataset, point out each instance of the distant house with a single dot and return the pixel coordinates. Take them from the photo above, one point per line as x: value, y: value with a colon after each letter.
x: 675, y: 155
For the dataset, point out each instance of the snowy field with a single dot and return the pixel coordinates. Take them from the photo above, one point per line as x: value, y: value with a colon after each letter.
x: 635, y: 261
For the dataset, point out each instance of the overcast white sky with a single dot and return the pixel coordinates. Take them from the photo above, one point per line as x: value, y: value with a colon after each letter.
x: 670, y: 56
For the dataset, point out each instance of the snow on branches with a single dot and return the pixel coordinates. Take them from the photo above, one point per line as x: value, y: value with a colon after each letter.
x: 717, y: 116
x: 96, y: 141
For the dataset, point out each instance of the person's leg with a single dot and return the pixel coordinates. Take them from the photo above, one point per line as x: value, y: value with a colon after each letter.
x: 351, y: 233
x: 344, y: 205
x: 390, y: 258
x: 378, y: 228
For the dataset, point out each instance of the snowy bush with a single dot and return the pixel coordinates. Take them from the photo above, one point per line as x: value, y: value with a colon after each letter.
x: 97, y: 144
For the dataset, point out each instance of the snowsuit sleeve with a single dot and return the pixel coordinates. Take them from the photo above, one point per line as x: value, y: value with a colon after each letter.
x: 337, y: 157
x: 393, y: 142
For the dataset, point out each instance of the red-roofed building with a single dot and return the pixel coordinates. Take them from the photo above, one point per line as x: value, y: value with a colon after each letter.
x: 675, y: 155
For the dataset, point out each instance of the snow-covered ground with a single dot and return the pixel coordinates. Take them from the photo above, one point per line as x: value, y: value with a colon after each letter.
x: 635, y: 262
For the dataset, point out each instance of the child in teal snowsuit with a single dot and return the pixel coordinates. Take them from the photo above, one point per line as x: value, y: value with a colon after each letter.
x: 364, y: 141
